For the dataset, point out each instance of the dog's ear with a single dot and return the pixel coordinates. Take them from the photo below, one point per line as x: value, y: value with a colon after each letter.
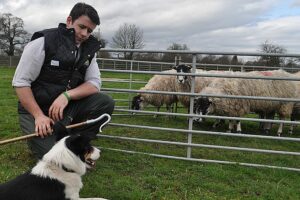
x: 59, y: 130
x: 78, y: 143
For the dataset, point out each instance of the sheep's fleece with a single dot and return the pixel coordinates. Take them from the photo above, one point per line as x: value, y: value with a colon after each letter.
x: 251, y: 87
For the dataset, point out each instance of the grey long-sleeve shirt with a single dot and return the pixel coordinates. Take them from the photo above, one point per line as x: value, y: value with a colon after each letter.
x: 32, y: 61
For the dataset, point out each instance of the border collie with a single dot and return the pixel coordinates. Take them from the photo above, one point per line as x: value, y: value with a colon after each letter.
x: 58, y: 175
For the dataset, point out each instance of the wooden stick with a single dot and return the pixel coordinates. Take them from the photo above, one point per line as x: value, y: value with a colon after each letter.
x: 25, y: 137
x: 91, y: 121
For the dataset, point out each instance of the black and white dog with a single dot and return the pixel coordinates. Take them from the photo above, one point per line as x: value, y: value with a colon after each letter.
x: 58, y: 175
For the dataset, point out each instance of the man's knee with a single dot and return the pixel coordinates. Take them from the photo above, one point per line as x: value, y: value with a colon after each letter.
x: 40, y: 146
x: 103, y: 103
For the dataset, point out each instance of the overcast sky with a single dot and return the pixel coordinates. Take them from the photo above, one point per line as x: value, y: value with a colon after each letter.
x: 208, y: 25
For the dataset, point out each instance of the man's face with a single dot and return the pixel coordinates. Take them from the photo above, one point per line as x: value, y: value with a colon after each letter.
x: 83, y: 28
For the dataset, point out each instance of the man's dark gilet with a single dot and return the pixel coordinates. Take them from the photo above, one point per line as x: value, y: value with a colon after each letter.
x: 61, y: 69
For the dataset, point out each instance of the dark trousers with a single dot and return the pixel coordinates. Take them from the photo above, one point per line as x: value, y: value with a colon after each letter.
x: 77, y: 111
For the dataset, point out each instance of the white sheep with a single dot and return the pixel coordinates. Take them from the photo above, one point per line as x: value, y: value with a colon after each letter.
x: 296, y: 109
x: 183, y: 84
x: 164, y: 83
x: 234, y: 107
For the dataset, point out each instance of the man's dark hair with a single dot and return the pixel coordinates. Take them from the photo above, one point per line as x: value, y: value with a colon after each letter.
x: 84, y: 9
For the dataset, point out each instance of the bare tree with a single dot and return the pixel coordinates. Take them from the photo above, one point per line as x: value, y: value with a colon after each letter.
x: 128, y: 36
x: 12, y: 34
x: 268, y: 47
x: 169, y: 57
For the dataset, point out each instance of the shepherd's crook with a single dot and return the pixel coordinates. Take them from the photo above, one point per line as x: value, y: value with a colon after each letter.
x: 87, y: 122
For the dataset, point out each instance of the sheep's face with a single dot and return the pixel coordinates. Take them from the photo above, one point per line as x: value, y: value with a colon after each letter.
x: 202, y: 106
x: 182, y: 69
x: 137, y: 103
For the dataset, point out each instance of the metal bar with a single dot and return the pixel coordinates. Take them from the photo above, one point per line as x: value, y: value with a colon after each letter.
x: 208, y: 132
x: 211, y: 116
x: 200, y: 52
x: 203, y: 95
x: 202, y: 145
x: 205, y: 160
x: 191, y: 110
x: 204, y: 75
x: 205, y: 65
x: 130, y: 84
x: 119, y: 81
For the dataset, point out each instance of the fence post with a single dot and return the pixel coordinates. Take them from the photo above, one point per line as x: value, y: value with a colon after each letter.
x: 190, y: 135
x: 130, y: 84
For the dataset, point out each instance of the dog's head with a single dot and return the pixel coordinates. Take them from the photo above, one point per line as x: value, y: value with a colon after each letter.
x: 73, y: 153
x: 80, y: 146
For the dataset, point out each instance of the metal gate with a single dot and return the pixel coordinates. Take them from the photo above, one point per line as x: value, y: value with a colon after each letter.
x: 131, y: 67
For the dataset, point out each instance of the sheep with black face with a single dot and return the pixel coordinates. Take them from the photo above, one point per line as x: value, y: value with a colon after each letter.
x: 165, y: 83
x: 249, y: 87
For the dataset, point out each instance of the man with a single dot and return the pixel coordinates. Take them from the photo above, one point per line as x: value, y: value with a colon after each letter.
x: 58, y: 79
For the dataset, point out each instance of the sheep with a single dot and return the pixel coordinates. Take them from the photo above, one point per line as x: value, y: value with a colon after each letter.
x: 295, y: 116
x: 157, y: 83
x: 249, y: 87
x: 183, y: 84
x: 296, y: 109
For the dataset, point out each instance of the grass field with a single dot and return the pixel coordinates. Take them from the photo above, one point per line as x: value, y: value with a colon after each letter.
x: 122, y: 176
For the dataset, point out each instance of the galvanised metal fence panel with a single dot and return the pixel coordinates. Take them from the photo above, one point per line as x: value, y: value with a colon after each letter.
x: 135, y: 68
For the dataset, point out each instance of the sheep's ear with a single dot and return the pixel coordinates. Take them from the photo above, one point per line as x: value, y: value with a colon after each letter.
x: 172, y: 67
x: 189, y: 66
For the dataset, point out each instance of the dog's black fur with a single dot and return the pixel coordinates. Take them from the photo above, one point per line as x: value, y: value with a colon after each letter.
x: 43, y: 183
x: 32, y: 187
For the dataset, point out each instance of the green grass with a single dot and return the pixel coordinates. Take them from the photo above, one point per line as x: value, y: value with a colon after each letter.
x: 124, y: 176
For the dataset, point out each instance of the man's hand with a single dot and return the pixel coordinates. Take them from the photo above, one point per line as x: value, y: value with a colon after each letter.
x: 43, y: 126
x: 56, y: 110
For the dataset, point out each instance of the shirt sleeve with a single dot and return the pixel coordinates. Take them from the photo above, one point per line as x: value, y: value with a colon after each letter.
x: 92, y: 74
x: 30, y: 64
